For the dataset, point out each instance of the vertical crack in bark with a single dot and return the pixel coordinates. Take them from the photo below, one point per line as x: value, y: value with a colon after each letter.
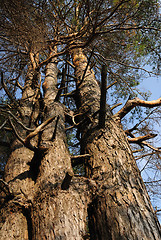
x: 27, y: 214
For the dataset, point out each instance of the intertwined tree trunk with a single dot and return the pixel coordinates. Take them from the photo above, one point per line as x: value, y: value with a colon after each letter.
x: 42, y: 205
x: 110, y: 202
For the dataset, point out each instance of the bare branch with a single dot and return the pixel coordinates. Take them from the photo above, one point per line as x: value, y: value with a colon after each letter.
x: 15, y: 131
x: 109, y: 86
x: 79, y: 159
x: 35, y: 132
x: 89, y: 59
x: 151, y: 147
x: 3, y: 124
x: 141, y: 138
x: 5, y: 187
x: 18, y: 121
x: 102, y: 112
x: 62, y: 85
x: 130, y: 104
x: 116, y: 105
x: 9, y: 94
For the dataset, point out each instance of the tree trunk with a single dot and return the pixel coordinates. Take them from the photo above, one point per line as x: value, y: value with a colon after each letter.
x: 46, y: 204
x: 48, y: 201
x: 121, y: 207
x: 58, y: 213
x: 14, y: 215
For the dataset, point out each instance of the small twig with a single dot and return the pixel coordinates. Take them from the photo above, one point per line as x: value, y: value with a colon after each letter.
x: 3, y: 124
x: 151, y: 147
x: 9, y: 94
x: 5, y: 187
x: 115, y: 106
x: 18, y: 121
x: 15, y: 131
x: 109, y: 86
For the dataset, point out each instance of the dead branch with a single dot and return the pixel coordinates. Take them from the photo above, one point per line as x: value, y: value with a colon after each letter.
x: 9, y: 94
x: 26, y: 141
x: 35, y: 132
x: 62, y: 85
x: 18, y: 121
x: 136, y: 125
x: 15, y: 131
x: 115, y: 106
x: 3, y: 124
x: 66, y: 182
x: 150, y: 146
x: 79, y: 159
x: 109, y: 86
x: 102, y: 112
x: 141, y: 138
x: 89, y: 59
x: 130, y: 104
x: 5, y: 187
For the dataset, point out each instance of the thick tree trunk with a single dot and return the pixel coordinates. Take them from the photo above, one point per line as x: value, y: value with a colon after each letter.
x: 48, y: 202
x: 14, y: 216
x: 121, y: 208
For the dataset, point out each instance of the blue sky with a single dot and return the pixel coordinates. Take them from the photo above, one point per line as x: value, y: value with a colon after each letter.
x: 153, y: 84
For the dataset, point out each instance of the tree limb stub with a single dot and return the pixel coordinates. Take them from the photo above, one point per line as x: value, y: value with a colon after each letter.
x: 66, y: 182
x: 79, y: 159
x: 130, y: 104
x: 102, y: 112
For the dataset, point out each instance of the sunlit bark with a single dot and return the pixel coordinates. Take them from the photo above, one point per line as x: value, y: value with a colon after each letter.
x: 121, y: 208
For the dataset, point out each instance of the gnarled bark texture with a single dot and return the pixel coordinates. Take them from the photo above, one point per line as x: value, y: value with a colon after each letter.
x: 48, y: 200
x: 121, y: 208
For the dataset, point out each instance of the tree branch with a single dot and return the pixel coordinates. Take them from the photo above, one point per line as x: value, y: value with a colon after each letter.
x: 141, y: 138
x: 130, y: 104
x: 102, y: 112
x: 9, y: 94
x: 109, y: 86
x: 79, y: 159
x: 35, y: 132
x: 66, y: 182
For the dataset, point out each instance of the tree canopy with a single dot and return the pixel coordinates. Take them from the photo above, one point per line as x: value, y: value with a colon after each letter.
x: 123, y: 35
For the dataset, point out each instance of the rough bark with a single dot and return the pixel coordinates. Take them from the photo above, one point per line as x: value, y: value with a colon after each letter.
x: 47, y: 200
x: 58, y: 213
x: 14, y: 216
x: 121, y: 208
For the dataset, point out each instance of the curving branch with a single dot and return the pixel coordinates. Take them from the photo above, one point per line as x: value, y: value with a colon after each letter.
x: 130, y: 104
x: 18, y: 121
x: 26, y: 142
x: 141, y: 138
x: 9, y: 94
x: 35, y: 132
